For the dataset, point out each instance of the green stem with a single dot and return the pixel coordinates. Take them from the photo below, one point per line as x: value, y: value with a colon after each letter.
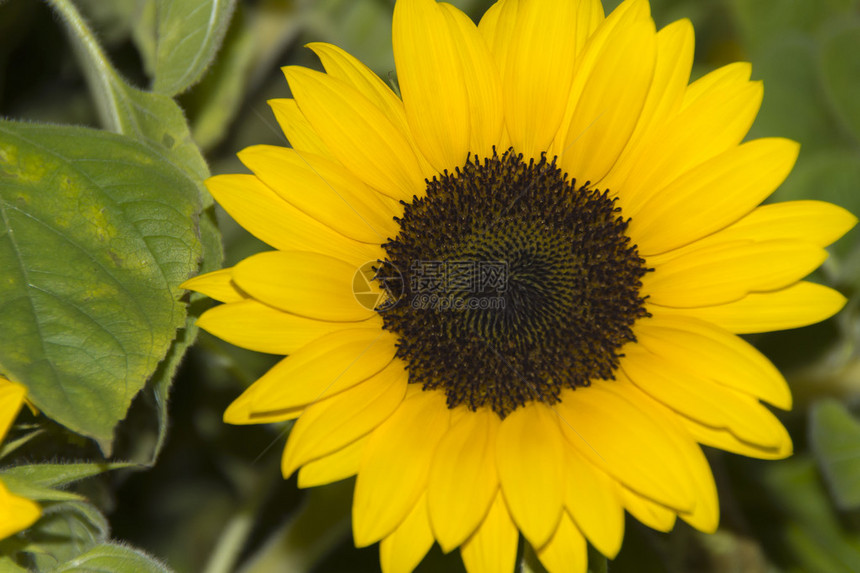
x: 234, y: 536
x: 98, y: 71
x: 316, y: 529
x: 231, y: 542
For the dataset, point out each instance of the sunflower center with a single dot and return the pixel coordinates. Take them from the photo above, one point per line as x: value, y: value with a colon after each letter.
x: 516, y: 284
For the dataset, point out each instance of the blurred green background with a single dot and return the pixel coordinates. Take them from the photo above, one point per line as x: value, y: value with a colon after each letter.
x: 215, y: 501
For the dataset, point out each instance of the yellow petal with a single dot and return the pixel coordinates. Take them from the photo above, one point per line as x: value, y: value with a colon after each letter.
x: 259, y: 327
x: 425, y: 55
x: 437, y: 50
x: 275, y: 221
x: 322, y: 368
x: 566, y: 551
x: 691, y: 393
x: 814, y: 222
x: 697, y: 346
x: 706, y: 514
x: 395, y: 465
x: 482, y: 82
x: 325, y: 191
x: 712, y: 195
x: 12, y: 395
x: 609, y: 429
x: 493, y: 547
x: 591, y: 498
x: 333, y: 467
x: 800, y: 304
x: 628, y: 12
x: 358, y: 133
x: 727, y: 272
x: 612, y: 99
x: 217, y: 284
x: 727, y: 441
x: 496, y: 27
x: 295, y: 126
x: 18, y: 512
x: 675, y: 45
x: 590, y: 16
x: 593, y: 37
x: 304, y: 283
x: 725, y: 112
x: 463, y: 478
x: 241, y: 413
x: 403, y: 550
x: 728, y: 77
x: 333, y: 423
x: 530, y: 459
x: 539, y: 59
x: 341, y: 65
x: 650, y: 513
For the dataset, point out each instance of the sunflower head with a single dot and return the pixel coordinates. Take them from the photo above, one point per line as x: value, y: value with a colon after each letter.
x: 515, y: 273
x: 562, y: 237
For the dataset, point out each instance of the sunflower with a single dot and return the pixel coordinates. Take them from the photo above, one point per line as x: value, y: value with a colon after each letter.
x: 510, y: 294
x: 16, y: 513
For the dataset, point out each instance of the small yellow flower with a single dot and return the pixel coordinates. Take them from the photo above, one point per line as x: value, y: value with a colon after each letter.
x: 562, y: 238
x: 16, y: 513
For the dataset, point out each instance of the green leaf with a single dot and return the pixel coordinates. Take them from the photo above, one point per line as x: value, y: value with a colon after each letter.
x: 827, y: 176
x: 154, y: 119
x: 189, y: 35
x: 9, y: 446
x: 219, y: 96
x: 38, y: 481
x: 157, y: 120
x: 213, y: 255
x: 9, y: 566
x: 763, y: 21
x: 841, y: 69
x: 143, y: 34
x: 361, y: 28
x: 113, y: 558
x: 812, y: 531
x: 66, y: 529
x: 834, y: 435
x: 112, y: 19
x: 795, y: 104
x: 36, y: 492
x: 59, y: 475
x: 96, y: 234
